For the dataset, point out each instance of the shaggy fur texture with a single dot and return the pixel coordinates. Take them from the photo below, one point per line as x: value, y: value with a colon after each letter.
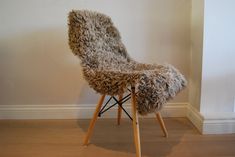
x: 110, y: 70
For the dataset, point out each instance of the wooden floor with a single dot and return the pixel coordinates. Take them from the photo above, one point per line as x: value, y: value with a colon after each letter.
x: 63, y: 138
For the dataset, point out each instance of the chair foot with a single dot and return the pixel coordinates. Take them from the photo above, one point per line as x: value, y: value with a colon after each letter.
x: 119, y: 111
x: 92, y: 123
x: 135, y: 123
x: 160, y: 120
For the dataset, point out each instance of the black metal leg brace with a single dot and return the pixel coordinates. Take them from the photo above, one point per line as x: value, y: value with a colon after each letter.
x: 119, y: 103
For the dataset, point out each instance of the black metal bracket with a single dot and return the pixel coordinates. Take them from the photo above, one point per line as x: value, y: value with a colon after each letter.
x: 117, y: 102
x: 120, y: 105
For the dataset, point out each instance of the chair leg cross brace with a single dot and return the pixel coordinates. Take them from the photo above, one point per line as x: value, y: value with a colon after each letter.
x: 119, y: 103
x: 101, y: 111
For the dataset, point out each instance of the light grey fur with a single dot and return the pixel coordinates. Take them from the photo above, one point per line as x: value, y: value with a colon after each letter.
x: 110, y: 70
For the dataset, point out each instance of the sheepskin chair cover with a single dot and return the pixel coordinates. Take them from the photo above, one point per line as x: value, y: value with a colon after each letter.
x: 110, y: 70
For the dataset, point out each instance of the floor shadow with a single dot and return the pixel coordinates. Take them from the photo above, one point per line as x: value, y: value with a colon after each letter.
x: 107, y: 134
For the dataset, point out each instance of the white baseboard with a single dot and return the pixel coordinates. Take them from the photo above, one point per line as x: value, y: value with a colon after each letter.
x: 222, y: 123
x: 219, y: 123
x: 195, y: 117
x: 73, y: 111
x: 213, y: 123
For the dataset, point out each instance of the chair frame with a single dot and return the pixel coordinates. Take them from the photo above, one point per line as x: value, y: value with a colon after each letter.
x: 135, y: 121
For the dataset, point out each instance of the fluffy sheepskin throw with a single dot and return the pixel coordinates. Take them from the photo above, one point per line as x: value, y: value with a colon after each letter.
x: 110, y: 70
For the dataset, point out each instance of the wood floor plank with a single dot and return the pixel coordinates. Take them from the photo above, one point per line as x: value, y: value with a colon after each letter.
x: 63, y: 138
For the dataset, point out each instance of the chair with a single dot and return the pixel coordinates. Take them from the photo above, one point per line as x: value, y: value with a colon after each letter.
x: 110, y: 71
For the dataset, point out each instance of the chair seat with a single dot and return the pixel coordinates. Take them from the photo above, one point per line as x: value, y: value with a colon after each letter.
x: 156, y: 84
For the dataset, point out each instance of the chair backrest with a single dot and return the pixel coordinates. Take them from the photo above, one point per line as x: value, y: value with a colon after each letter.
x: 94, y: 38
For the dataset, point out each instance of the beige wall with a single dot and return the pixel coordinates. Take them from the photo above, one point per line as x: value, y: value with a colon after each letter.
x: 37, y: 66
x: 197, y: 17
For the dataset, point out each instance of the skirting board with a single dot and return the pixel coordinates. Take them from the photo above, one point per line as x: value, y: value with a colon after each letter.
x: 195, y: 117
x: 213, y: 123
x: 77, y: 111
x: 204, y: 123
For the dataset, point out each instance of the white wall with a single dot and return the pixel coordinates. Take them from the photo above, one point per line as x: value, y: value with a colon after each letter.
x: 197, y: 16
x: 37, y: 66
x: 218, y: 74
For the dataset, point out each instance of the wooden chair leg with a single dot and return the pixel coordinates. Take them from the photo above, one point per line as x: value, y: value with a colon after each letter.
x: 159, y: 118
x: 119, y: 110
x: 92, y: 123
x: 135, y: 123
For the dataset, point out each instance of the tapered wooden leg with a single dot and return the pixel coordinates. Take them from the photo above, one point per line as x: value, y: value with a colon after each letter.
x: 135, y: 123
x: 119, y: 110
x: 159, y: 118
x: 92, y: 123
